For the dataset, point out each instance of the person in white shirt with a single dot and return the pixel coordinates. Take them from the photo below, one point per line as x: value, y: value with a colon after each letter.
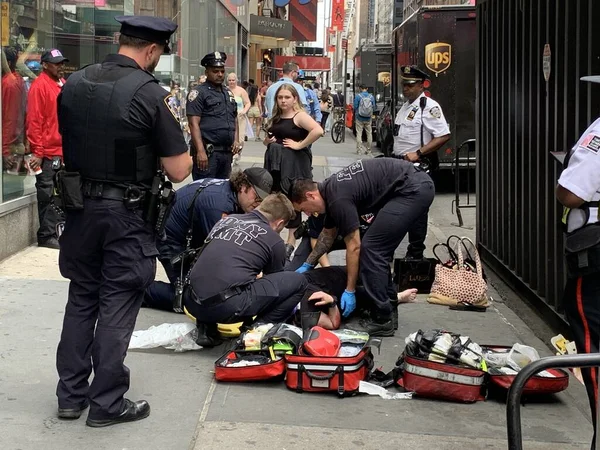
x: 420, y: 129
x: 578, y: 191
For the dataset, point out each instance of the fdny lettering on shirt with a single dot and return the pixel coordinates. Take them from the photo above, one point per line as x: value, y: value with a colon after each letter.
x: 238, y: 231
x: 353, y: 169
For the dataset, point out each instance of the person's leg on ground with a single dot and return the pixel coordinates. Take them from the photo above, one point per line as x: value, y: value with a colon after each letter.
x: 275, y: 296
x: 79, y: 261
x: 359, y: 130
x: 368, y: 129
x: 128, y: 268
x: 47, y: 213
x: 377, y: 248
x: 582, y: 308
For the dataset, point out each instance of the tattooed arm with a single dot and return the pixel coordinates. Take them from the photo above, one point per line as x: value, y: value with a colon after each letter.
x: 352, y: 257
x: 324, y: 243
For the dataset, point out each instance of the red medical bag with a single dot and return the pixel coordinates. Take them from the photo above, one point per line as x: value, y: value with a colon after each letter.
x: 306, y: 373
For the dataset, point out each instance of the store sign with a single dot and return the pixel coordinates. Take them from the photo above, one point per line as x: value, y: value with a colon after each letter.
x: 4, y: 25
x: 337, y: 15
x: 270, y: 27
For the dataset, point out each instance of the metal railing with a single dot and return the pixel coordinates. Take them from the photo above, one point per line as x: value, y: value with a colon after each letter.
x: 513, y: 403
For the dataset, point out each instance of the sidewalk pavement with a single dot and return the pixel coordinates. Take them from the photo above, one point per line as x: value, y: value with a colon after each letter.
x: 191, y: 411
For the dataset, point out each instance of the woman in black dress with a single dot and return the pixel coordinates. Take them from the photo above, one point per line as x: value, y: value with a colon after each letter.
x: 290, y: 133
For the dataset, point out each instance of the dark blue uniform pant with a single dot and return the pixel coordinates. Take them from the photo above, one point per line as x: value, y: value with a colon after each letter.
x: 272, y: 299
x: 109, y: 254
x: 160, y: 295
x: 48, y: 214
x: 219, y: 166
x: 416, y: 238
x: 582, y: 308
x: 393, y: 221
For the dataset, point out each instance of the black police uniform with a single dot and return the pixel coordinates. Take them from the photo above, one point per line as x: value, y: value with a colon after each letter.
x: 217, y: 108
x: 223, y: 285
x: 116, y: 123
x: 217, y: 199
x: 398, y: 194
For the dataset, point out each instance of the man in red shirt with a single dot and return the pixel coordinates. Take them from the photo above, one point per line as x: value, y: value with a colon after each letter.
x: 45, y: 141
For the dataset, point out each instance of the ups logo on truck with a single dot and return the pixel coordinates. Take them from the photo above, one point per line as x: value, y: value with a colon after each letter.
x: 438, y: 57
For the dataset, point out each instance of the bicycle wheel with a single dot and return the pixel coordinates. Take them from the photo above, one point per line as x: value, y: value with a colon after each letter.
x: 337, y: 131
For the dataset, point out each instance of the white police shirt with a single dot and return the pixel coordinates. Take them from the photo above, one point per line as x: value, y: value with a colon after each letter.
x: 409, y: 120
x: 581, y: 174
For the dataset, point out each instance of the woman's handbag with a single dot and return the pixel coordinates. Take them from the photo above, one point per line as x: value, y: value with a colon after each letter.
x: 459, y: 284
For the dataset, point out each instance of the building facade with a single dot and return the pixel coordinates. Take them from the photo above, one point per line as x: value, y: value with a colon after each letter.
x: 86, y: 31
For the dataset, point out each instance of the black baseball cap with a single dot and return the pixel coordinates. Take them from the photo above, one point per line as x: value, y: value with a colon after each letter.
x: 261, y: 180
x: 53, y: 56
x: 148, y: 28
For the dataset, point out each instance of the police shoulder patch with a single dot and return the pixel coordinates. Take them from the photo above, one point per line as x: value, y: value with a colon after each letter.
x: 192, y: 95
x: 591, y: 143
x: 170, y: 102
x: 436, y: 112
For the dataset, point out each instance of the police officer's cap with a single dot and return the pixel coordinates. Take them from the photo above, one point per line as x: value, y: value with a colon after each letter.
x: 151, y: 29
x: 412, y: 74
x: 214, y: 59
x: 592, y: 79
x: 261, y: 180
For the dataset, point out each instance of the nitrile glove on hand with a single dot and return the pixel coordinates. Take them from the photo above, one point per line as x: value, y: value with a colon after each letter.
x: 348, y: 303
x: 304, y: 268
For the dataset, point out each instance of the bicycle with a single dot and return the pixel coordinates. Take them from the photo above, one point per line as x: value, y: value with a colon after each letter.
x: 338, y: 129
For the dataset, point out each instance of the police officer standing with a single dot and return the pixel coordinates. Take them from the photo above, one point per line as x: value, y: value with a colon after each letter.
x: 420, y: 130
x: 116, y: 123
x: 579, y: 191
x: 212, y: 117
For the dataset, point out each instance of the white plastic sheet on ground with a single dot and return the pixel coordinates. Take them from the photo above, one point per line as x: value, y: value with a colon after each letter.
x: 372, y: 389
x: 180, y: 337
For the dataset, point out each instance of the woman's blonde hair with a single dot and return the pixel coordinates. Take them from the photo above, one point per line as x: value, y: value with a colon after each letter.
x: 234, y: 75
x: 276, y: 110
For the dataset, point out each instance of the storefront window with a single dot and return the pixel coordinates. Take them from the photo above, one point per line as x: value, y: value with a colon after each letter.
x: 85, y: 31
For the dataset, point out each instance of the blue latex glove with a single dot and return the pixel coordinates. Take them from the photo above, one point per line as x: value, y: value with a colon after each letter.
x: 348, y: 303
x: 304, y: 268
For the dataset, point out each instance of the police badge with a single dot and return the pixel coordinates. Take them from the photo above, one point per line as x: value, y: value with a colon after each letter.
x: 192, y: 95
x: 436, y: 112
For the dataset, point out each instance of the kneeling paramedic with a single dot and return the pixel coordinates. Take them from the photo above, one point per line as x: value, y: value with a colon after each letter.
x: 579, y: 191
x: 200, y: 205
x: 398, y: 194
x: 222, y: 286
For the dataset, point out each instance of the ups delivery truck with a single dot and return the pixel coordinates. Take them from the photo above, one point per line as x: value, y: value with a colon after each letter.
x: 440, y: 40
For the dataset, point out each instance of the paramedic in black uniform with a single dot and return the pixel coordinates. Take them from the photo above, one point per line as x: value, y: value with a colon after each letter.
x: 116, y: 123
x: 212, y: 116
x: 202, y: 204
x: 579, y: 191
x: 223, y: 281
x: 397, y: 193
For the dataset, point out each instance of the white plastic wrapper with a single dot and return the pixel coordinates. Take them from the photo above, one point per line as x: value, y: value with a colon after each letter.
x: 521, y: 355
x: 372, y: 389
x: 180, y: 337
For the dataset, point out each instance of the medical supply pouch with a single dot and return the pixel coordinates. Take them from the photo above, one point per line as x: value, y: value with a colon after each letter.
x: 444, y: 366
x: 342, y: 373
x: 550, y: 381
x: 258, y: 354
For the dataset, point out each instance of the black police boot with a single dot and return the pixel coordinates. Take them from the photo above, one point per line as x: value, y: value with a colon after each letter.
x: 71, y: 413
x: 208, y: 335
x: 133, y: 411
x: 376, y: 326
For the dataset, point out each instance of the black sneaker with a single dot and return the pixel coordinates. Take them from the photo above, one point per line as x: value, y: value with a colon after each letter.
x: 374, y: 328
x: 208, y: 335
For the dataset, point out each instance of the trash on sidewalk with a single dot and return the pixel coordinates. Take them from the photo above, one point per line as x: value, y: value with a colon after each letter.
x: 365, y: 387
x: 180, y: 337
x: 565, y: 347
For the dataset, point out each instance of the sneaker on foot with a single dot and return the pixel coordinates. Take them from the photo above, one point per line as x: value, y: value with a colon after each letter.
x: 374, y: 328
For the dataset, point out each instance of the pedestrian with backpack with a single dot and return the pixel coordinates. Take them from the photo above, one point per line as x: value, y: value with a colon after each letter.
x: 364, y: 106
